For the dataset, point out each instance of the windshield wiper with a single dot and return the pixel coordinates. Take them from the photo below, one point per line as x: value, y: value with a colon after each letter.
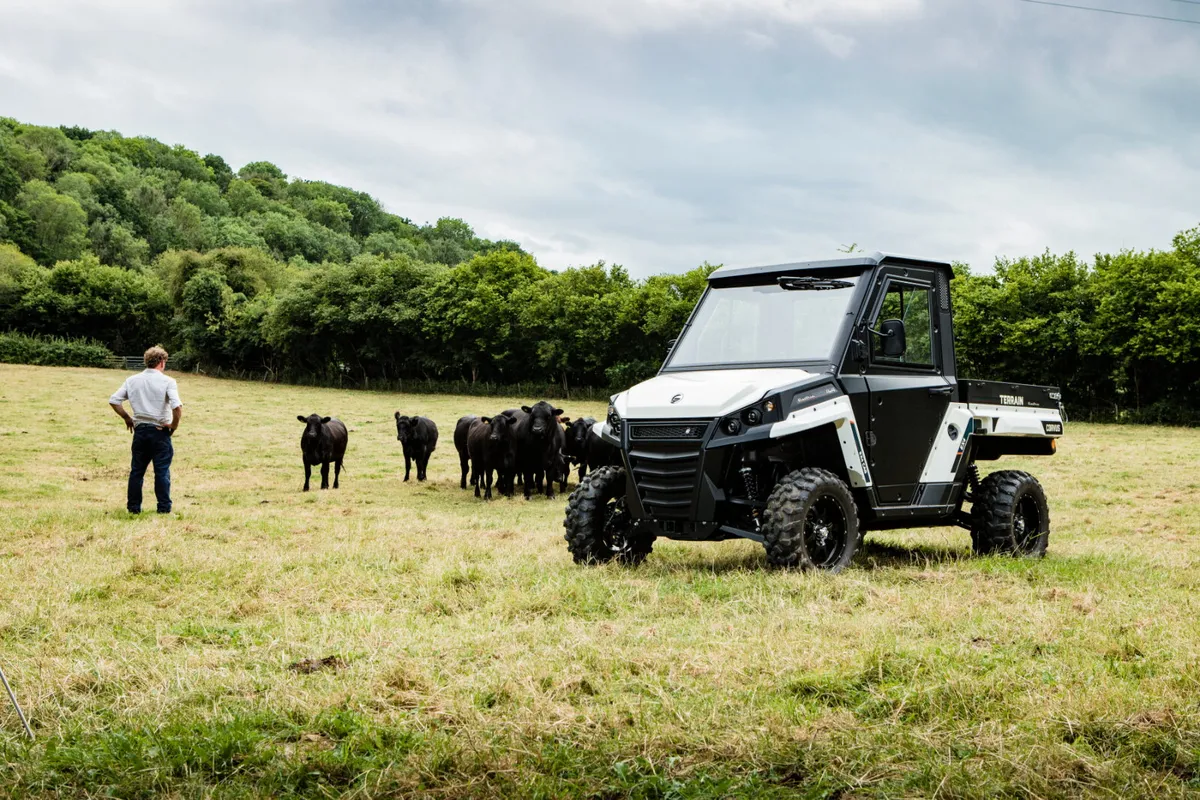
x: 808, y: 282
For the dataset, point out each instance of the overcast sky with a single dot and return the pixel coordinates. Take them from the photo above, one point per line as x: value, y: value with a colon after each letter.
x: 662, y: 133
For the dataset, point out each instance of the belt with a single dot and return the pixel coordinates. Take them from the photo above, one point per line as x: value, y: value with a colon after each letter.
x: 150, y: 425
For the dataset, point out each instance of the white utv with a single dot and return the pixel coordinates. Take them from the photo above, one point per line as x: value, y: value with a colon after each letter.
x: 804, y: 404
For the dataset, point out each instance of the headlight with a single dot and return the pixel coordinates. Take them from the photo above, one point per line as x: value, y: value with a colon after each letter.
x: 614, y: 420
x: 764, y: 412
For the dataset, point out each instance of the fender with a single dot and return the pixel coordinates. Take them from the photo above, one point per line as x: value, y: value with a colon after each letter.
x: 964, y: 420
x: 602, y: 430
x: 840, y: 414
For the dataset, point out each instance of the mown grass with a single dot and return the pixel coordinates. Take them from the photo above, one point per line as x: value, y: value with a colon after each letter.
x: 474, y: 660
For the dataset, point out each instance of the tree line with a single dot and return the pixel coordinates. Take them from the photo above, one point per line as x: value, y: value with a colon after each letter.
x: 125, y: 241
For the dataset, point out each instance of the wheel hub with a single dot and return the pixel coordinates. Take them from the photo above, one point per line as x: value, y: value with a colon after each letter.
x: 616, y: 527
x: 825, y: 531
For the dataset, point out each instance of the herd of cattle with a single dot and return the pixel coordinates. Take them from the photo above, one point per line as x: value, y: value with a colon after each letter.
x: 535, y: 446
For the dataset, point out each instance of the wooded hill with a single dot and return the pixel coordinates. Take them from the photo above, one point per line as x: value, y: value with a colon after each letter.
x: 128, y: 241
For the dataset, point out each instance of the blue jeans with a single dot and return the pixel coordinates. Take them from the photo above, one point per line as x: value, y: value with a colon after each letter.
x: 151, y: 445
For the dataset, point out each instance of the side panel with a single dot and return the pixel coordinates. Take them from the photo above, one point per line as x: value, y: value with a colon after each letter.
x: 949, y: 444
x: 1018, y: 421
x: 840, y: 413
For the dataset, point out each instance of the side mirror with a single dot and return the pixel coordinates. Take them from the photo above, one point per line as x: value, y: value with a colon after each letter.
x: 894, y: 341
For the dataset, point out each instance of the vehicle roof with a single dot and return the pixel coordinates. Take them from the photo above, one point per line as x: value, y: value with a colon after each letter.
x: 865, y: 260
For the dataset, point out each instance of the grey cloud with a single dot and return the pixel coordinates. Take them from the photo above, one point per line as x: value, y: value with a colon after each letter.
x: 716, y: 131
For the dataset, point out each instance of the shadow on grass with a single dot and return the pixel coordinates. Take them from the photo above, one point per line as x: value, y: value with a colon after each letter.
x: 871, y: 555
x: 694, y: 562
x: 879, y: 555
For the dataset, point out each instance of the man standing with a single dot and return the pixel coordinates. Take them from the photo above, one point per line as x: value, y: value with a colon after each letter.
x: 157, y: 410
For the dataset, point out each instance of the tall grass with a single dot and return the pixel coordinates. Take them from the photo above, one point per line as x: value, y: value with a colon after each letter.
x: 468, y: 657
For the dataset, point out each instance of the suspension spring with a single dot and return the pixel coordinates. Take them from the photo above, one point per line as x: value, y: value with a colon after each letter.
x: 750, y: 480
x: 973, y: 480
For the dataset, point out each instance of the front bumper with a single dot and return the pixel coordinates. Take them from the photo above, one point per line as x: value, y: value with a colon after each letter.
x: 674, y: 482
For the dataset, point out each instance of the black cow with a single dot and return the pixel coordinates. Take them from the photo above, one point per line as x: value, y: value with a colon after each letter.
x: 540, y: 439
x: 517, y: 415
x: 575, y: 448
x: 586, y: 448
x: 490, y: 442
x: 599, y: 453
x: 418, y: 436
x: 324, y: 440
x: 461, y: 429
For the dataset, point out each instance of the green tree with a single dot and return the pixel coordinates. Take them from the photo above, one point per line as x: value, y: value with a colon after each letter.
x: 117, y: 244
x: 268, y: 179
x: 18, y: 272
x: 53, y: 145
x: 189, y: 229
x: 120, y: 308
x: 221, y: 172
x: 28, y: 163
x: 360, y: 319
x: 204, y: 195
x: 468, y: 314
x: 59, y: 223
x: 1146, y: 327
x: 578, y: 319
x: 330, y: 213
x: 244, y: 198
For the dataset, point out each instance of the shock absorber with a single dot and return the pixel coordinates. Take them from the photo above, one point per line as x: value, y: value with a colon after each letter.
x: 973, y: 481
x: 750, y: 480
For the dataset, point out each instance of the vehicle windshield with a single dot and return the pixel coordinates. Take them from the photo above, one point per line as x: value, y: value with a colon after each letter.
x: 763, y: 324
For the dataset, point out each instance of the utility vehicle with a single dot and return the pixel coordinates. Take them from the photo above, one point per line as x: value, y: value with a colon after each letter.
x: 804, y: 404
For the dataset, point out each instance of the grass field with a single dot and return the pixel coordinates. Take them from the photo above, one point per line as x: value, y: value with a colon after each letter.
x: 468, y: 657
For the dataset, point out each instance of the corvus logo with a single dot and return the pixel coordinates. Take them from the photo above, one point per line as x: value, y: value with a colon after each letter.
x: 676, y: 398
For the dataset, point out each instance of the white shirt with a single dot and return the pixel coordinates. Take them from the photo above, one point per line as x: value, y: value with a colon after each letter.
x: 151, y: 395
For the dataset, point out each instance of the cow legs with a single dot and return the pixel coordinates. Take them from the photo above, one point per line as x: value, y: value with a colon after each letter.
x: 423, y: 467
x: 487, y: 495
x: 476, y: 478
x: 325, y: 475
x: 462, y: 462
x: 408, y: 466
x: 307, y: 474
x: 528, y: 483
x: 337, y: 472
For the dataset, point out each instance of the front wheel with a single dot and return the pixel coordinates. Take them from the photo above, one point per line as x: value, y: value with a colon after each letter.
x: 599, y: 526
x: 811, y: 522
x: 1009, y: 515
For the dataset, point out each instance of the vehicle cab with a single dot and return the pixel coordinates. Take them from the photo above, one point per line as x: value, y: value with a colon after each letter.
x: 843, y: 367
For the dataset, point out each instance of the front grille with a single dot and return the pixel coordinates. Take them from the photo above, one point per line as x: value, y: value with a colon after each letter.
x: 672, y: 430
x: 666, y: 479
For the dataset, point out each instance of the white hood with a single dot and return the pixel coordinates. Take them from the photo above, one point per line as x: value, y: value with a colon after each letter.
x: 707, y: 394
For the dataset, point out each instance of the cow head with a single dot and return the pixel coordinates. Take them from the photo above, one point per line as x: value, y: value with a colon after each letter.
x: 312, y: 425
x: 541, y: 416
x: 577, y: 433
x: 500, y: 427
x: 405, y: 426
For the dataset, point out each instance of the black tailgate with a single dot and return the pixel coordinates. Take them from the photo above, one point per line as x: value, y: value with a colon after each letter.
x: 997, y: 393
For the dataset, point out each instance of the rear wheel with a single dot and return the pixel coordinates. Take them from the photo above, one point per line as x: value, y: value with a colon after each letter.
x: 1009, y: 515
x: 599, y: 526
x: 811, y: 522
